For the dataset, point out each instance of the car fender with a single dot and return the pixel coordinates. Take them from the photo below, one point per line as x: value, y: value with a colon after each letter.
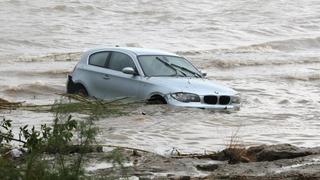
x: 152, y: 89
x: 156, y: 93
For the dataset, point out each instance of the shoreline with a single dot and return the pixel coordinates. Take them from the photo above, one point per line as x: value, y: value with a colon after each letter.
x: 282, y: 161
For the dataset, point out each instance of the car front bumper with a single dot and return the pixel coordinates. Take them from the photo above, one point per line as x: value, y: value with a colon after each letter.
x: 174, y: 102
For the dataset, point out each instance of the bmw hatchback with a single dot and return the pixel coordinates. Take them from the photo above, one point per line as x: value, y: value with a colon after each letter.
x: 150, y: 75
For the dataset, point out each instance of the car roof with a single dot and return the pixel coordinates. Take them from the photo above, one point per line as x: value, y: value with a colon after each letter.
x: 137, y: 51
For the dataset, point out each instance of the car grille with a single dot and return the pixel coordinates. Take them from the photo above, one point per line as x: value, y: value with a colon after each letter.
x: 210, y: 99
x: 222, y: 100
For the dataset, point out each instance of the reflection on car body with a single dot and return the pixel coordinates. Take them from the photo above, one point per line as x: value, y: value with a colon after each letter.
x: 146, y: 74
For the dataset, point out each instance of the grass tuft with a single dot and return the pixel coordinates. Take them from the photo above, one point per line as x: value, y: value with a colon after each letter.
x: 236, y: 151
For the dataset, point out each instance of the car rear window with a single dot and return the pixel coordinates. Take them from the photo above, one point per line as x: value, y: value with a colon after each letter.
x: 118, y: 61
x: 99, y: 59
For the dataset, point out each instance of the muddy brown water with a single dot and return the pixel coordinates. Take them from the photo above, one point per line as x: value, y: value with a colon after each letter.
x: 276, y: 108
x: 268, y: 51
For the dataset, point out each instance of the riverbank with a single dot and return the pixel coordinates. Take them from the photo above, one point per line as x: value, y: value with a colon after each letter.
x: 282, y: 161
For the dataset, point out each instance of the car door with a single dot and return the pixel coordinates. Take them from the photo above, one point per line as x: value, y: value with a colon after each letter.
x: 93, y: 74
x: 117, y: 83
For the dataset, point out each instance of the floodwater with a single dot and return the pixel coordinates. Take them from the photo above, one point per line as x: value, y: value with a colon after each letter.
x: 269, y: 51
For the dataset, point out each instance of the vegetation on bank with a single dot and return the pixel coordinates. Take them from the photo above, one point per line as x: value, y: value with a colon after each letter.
x: 47, y: 150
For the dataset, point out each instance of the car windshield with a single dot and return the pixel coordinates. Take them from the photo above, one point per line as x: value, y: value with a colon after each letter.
x: 153, y: 65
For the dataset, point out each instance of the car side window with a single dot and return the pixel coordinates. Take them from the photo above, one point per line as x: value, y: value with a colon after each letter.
x: 118, y: 61
x: 99, y: 59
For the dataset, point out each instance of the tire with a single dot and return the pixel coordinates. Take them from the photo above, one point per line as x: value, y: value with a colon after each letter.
x: 81, y: 90
x: 156, y: 99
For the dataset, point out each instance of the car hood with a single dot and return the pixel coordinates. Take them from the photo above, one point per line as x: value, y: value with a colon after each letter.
x: 198, y: 86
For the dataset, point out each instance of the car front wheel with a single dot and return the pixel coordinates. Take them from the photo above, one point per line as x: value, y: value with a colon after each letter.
x: 81, y: 90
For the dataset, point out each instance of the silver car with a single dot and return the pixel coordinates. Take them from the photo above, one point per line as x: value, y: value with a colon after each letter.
x: 146, y: 74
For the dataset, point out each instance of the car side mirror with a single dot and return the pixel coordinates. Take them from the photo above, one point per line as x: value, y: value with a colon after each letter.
x: 129, y: 70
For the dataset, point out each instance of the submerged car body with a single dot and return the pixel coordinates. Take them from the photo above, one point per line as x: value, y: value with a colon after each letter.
x: 146, y: 74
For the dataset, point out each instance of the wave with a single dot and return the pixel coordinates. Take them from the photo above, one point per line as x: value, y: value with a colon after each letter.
x: 271, y: 46
x: 232, y: 63
x: 303, y: 77
x: 282, y: 45
x: 269, y: 53
x: 39, y: 88
x: 69, y: 56
x: 70, y: 8
x: 66, y: 56
x: 24, y: 42
x: 50, y: 73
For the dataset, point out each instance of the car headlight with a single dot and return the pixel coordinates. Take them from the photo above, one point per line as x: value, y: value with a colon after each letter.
x: 185, y: 97
x: 236, y: 99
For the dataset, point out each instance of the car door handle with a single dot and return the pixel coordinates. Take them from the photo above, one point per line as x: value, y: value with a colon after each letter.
x: 106, y: 77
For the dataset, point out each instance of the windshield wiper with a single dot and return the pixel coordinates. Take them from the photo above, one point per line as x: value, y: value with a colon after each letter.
x: 171, y: 66
x: 186, y: 69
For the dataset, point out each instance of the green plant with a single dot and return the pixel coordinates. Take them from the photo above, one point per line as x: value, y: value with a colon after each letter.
x: 56, y: 151
x: 58, y: 139
x: 6, y: 134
